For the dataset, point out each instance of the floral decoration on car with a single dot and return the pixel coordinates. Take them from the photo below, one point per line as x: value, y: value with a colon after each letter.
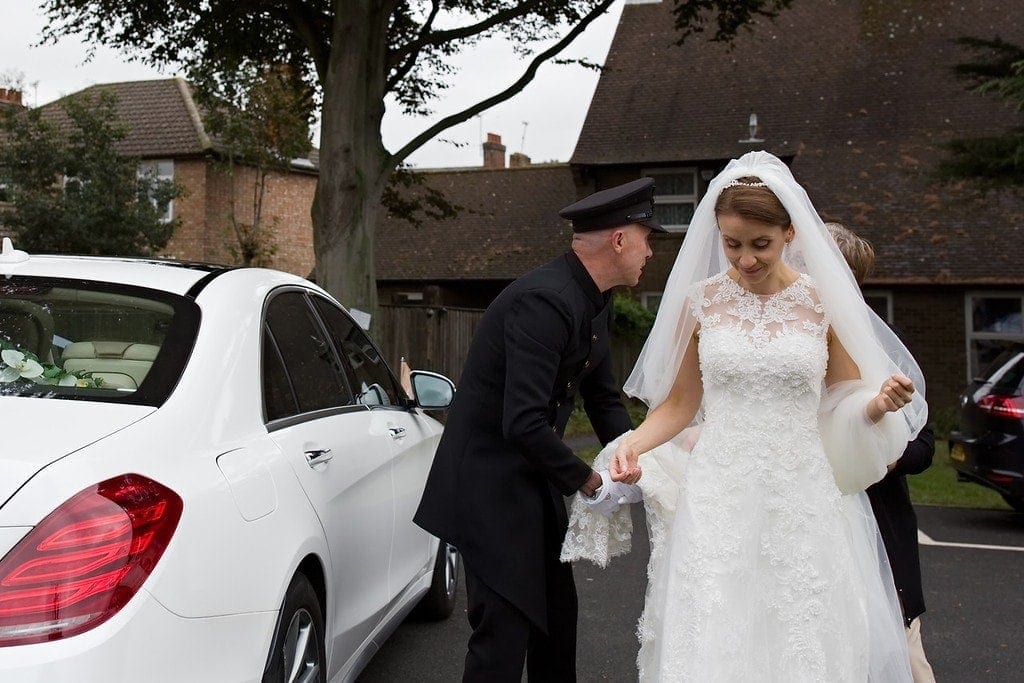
x: 16, y: 364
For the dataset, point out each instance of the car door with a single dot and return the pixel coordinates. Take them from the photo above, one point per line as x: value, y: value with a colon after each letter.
x: 341, y: 453
x: 411, y: 436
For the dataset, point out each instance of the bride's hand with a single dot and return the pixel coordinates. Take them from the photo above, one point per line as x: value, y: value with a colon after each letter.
x: 895, y: 393
x: 624, y: 465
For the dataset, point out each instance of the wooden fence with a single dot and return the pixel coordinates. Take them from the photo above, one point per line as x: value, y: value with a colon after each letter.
x: 437, y: 339
x: 429, y: 337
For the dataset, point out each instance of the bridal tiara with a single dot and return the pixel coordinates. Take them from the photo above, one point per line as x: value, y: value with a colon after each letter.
x: 736, y: 182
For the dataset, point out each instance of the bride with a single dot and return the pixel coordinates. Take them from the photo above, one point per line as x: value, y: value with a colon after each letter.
x: 766, y: 564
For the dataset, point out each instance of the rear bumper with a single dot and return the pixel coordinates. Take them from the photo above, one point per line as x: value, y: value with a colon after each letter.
x: 996, y: 461
x: 146, y: 642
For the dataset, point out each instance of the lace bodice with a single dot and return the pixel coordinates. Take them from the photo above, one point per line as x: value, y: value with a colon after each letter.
x: 759, y: 350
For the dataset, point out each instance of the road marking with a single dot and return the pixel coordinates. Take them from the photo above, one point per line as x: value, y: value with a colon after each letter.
x: 925, y: 539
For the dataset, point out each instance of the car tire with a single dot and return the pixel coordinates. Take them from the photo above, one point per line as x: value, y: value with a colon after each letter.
x: 439, y: 602
x: 297, y: 654
x: 1016, y: 503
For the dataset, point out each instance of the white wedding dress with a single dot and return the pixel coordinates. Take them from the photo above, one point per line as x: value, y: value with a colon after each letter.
x: 761, y: 570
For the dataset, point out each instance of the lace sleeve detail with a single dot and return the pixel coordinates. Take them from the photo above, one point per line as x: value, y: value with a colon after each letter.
x: 815, y: 303
x: 696, y: 300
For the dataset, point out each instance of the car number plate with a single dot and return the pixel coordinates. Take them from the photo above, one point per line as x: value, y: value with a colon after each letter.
x: 957, y: 453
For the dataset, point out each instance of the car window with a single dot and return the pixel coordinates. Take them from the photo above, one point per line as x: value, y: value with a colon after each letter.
x: 63, y: 338
x: 1007, y: 371
x: 278, y: 398
x: 371, y: 379
x: 307, y: 354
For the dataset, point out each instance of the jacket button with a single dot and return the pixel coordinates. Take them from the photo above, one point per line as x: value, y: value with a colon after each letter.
x: 593, y: 338
x: 587, y: 364
x: 568, y: 385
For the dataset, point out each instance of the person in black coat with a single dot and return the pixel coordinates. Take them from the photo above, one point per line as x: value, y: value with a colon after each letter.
x: 890, y: 497
x: 497, y: 485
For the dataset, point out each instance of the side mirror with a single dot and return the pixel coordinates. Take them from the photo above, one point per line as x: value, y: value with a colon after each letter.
x: 432, y: 391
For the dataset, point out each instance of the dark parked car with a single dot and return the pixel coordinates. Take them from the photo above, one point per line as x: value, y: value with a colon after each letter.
x: 989, y: 447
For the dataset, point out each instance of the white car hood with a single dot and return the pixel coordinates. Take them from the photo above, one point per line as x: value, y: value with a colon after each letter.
x: 35, y: 432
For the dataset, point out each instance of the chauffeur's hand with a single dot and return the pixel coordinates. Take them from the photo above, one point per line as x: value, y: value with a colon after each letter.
x: 592, y: 484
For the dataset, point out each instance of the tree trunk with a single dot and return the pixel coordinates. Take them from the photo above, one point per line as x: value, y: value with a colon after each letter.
x: 354, y: 165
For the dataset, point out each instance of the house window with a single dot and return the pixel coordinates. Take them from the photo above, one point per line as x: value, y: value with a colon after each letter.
x: 993, y: 321
x: 675, y: 197
x: 881, y: 303
x: 159, y: 169
x: 651, y: 300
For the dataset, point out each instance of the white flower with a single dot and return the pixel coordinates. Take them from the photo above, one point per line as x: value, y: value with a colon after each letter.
x: 18, y: 365
x: 68, y: 381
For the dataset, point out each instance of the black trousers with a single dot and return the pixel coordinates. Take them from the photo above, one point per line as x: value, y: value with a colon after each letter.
x: 503, y: 637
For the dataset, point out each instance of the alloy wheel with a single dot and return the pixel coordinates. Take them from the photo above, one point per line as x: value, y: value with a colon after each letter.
x: 301, y: 649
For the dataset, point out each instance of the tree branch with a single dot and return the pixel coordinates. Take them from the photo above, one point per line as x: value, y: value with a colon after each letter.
x: 411, y: 57
x: 300, y: 16
x: 520, y: 10
x: 464, y: 115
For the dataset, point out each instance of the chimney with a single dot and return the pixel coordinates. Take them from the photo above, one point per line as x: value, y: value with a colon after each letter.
x: 11, y: 96
x: 518, y: 160
x: 494, y: 152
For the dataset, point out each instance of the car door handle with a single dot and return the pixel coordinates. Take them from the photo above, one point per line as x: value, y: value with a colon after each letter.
x: 317, y: 456
x: 396, y: 432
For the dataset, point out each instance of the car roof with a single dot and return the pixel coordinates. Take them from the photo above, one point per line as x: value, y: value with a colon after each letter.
x: 178, y: 277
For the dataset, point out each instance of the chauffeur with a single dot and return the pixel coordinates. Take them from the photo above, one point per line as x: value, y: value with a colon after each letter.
x: 501, y: 470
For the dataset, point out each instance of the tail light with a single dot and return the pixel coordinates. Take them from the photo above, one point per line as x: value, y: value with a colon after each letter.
x: 85, y: 560
x: 1011, y: 407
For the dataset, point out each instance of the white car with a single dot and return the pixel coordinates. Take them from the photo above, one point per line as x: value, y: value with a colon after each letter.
x: 206, y: 474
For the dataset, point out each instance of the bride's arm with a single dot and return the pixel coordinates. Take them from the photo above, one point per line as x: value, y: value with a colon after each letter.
x: 893, y: 395
x: 665, y: 421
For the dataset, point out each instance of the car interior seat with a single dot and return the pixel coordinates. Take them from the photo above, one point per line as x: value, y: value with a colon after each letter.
x: 121, y: 365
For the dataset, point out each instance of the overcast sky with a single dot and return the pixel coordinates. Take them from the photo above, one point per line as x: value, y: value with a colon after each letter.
x: 553, y: 105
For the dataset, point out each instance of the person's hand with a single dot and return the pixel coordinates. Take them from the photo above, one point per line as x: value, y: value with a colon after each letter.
x: 594, y: 482
x: 624, y: 465
x: 895, y: 393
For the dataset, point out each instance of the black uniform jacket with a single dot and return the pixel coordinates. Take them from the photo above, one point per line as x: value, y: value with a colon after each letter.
x: 890, y: 501
x: 501, y: 470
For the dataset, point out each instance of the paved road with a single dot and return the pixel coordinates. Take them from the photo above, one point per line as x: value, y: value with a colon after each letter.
x: 972, y: 629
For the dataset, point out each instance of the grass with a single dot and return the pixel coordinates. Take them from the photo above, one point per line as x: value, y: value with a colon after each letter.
x: 579, y: 424
x: 935, y: 486
x: 938, y: 486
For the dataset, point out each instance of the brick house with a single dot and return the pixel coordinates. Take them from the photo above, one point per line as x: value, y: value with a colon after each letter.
x: 858, y: 96
x: 166, y: 132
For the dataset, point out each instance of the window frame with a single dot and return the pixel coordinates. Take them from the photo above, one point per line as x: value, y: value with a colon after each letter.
x: 171, y: 362
x: 168, y: 215
x: 881, y: 294
x: 396, y: 386
x: 301, y: 416
x: 663, y: 199
x: 970, y: 336
x: 646, y: 296
x: 341, y: 369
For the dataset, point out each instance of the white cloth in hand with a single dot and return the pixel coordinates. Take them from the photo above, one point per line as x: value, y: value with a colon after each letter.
x: 611, y: 494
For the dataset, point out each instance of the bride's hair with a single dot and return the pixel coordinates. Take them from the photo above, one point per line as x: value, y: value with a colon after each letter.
x: 748, y: 197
